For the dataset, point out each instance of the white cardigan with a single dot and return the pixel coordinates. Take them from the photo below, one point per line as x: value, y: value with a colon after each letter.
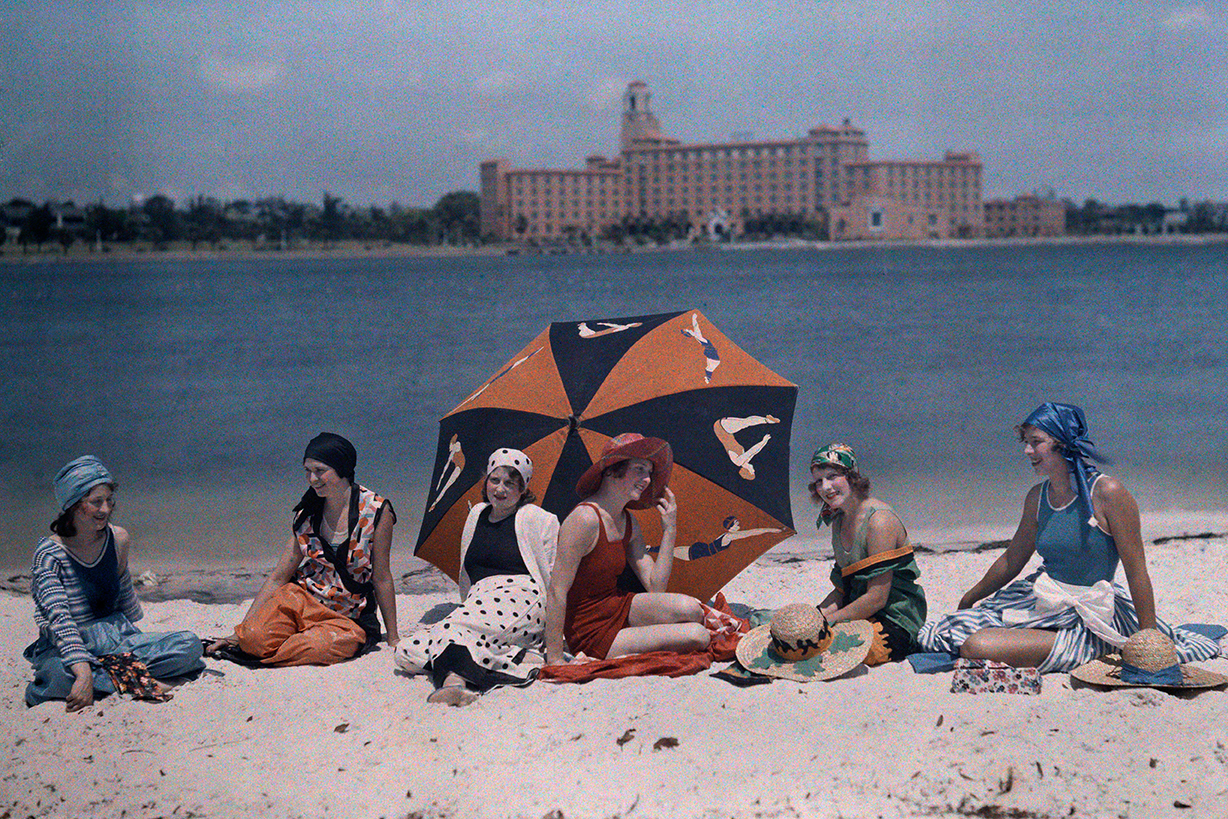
x: 537, y: 535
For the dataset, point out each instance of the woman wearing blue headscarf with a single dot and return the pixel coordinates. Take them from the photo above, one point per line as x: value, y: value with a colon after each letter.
x: 85, y: 606
x: 1070, y: 610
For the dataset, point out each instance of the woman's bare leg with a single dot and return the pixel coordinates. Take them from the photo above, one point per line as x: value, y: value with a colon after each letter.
x: 1019, y: 647
x: 656, y: 608
x: 662, y: 622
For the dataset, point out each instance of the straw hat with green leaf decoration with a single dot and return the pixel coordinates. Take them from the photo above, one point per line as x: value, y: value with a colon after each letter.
x: 801, y: 645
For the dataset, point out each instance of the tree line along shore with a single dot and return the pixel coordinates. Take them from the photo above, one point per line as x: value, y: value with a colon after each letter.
x: 207, y: 226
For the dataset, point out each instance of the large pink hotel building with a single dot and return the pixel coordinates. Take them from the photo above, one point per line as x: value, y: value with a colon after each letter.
x: 826, y: 176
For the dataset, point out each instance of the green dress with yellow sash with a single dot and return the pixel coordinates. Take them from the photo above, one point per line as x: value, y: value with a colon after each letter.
x: 904, y: 613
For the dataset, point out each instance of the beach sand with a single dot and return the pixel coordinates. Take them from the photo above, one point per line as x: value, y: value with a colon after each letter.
x: 357, y: 740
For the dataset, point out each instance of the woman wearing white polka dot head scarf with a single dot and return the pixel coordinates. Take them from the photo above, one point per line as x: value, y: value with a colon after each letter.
x: 506, y: 553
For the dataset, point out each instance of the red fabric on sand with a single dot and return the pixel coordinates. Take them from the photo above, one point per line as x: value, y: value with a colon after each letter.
x: 725, y: 627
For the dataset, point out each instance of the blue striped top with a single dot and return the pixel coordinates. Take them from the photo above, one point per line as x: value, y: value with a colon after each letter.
x: 61, y: 601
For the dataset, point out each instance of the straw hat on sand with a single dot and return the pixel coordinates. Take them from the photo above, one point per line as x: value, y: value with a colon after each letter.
x: 1147, y: 659
x: 801, y: 645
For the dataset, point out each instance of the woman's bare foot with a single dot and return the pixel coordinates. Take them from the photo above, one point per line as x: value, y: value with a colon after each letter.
x: 454, y: 695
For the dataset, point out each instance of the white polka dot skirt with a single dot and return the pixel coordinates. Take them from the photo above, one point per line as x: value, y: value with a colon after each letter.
x: 500, y: 624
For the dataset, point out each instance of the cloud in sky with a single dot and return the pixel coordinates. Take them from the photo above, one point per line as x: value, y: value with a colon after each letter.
x: 402, y: 100
x: 1188, y: 18
x: 241, y: 75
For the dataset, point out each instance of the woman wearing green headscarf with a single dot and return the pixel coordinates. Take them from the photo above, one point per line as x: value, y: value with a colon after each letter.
x: 875, y: 576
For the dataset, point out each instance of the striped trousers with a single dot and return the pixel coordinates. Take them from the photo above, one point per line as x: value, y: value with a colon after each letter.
x: 1075, y: 643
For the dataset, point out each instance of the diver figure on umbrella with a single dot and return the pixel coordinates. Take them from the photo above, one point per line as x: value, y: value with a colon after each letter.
x: 599, y: 539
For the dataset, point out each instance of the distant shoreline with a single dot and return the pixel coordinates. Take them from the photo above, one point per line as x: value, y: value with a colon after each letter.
x: 368, y: 250
x: 184, y: 252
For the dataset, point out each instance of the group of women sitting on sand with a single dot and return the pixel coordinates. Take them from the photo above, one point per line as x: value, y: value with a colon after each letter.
x: 531, y: 590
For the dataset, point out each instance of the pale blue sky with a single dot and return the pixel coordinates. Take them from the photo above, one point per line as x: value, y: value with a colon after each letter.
x: 382, y: 101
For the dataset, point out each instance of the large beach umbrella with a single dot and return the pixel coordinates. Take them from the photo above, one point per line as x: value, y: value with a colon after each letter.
x: 672, y: 376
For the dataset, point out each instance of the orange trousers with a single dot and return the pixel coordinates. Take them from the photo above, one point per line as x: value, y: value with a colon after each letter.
x: 294, y: 628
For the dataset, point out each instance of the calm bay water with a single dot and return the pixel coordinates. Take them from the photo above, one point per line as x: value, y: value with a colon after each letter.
x: 199, y: 382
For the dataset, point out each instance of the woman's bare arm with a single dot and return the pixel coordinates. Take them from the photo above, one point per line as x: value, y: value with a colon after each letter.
x: 654, y: 574
x: 577, y: 537
x: 1121, y: 515
x: 381, y: 577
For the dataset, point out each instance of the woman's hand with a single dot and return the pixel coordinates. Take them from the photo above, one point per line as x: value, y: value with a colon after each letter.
x: 82, y: 693
x: 579, y: 659
x: 230, y: 640
x: 668, y: 507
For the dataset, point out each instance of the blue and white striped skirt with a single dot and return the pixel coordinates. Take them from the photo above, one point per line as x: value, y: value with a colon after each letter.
x: 1075, y: 644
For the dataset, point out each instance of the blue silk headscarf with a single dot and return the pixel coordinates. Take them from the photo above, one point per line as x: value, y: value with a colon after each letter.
x: 1065, y: 422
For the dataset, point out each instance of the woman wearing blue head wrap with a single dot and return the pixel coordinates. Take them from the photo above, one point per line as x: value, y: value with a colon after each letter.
x: 85, y: 606
x: 1069, y: 611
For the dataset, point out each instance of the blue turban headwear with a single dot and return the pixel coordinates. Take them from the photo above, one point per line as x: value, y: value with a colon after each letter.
x: 1065, y: 422
x: 76, y: 478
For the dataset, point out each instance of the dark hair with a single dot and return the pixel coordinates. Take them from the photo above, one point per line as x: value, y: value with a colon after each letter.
x: 859, y: 483
x: 63, y: 525
x: 526, y: 496
x: 616, y: 470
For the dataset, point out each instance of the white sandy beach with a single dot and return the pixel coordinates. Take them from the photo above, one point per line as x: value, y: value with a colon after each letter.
x: 357, y: 740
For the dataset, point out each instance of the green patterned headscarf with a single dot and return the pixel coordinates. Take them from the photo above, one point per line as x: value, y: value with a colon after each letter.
x: 840, y: 456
